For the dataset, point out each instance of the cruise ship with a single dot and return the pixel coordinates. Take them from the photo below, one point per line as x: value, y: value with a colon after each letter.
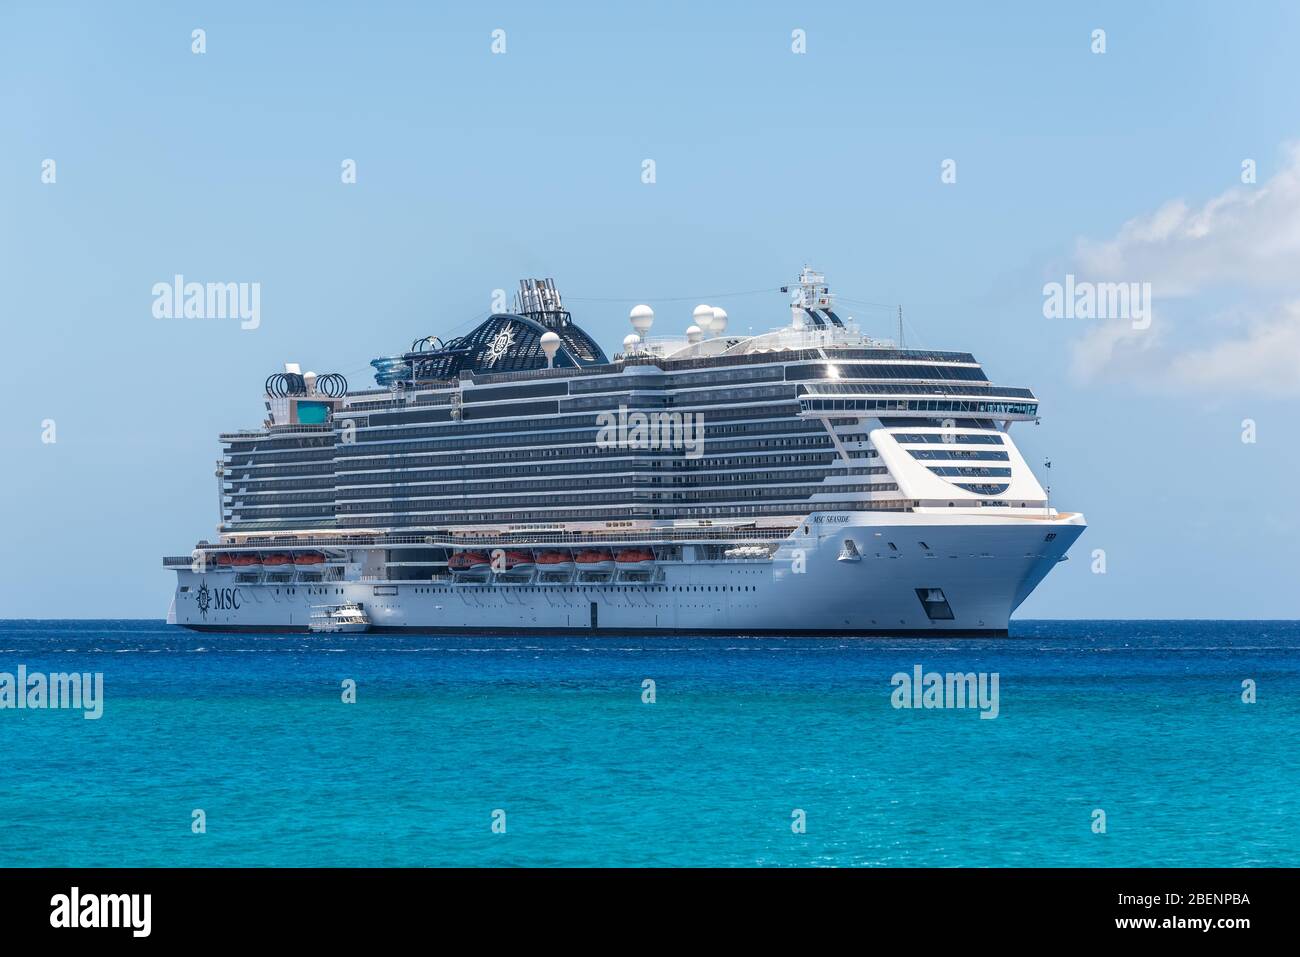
x: 809, y: 480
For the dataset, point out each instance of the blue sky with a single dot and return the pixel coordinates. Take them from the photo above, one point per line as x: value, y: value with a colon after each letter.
x: 475, y: 169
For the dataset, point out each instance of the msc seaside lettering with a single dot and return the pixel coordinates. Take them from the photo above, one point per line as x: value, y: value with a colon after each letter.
x: 179, y: 299
x: 103, y: 910
x: 36, y: 690
x: 953, y: 690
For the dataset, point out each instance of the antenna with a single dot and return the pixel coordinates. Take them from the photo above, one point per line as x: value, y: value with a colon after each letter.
x: 901, y: 341
x: 221, y: 494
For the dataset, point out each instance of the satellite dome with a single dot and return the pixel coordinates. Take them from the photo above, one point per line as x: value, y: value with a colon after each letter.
x: 642, y: 317
x: 694, y: 334
x: 703, y: 317
x: 719, y: 320
x: 550, y: 344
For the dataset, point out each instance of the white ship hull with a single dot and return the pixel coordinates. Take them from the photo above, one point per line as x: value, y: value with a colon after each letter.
x: 982, y: 567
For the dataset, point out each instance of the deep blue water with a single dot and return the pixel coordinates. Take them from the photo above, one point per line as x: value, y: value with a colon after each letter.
x: 1143, y: 720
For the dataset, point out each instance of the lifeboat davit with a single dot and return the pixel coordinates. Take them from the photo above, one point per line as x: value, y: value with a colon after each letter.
x: 309, y: 558
x: 595, y: 560
x: 636, y: 558
x: 555, y: 561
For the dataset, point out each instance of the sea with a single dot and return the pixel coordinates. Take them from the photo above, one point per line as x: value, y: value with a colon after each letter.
x: 1115, y: 743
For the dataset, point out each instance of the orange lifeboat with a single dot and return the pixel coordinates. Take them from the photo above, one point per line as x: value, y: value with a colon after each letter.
x: 246, y: 560
x: 468, y: 561
x: 277, y: 559
x: 595, y: 560
x: 517, y: 560
x: 225, y: 560
x: 553, y: 560
x: 309, y: 558
x: 636, y: 557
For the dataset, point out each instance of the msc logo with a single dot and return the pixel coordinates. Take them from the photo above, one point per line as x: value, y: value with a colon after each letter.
x: 225, y: 599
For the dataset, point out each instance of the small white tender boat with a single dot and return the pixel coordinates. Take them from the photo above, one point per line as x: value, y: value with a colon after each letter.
x: 339, y: 619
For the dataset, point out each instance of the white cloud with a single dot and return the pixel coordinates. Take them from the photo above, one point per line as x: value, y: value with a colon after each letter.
x: 1265, y: 358
x: 1248, y: 234
x: 1114, y: 349
x: 1242, y: 246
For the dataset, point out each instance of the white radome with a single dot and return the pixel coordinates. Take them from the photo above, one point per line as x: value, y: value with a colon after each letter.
x: 630, y: 342
x: 642, y: 318
x: 719, y: 320
x: 694, y: 334
x: 550, y: 345
x: 703, y: 317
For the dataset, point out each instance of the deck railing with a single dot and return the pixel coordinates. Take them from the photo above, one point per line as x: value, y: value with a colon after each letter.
x: 628, y: 536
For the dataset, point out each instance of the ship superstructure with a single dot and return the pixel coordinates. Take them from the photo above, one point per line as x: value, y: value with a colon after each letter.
x: 807, y: 480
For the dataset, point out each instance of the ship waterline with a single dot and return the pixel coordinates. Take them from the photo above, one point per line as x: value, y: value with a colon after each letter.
x: 811, y: 480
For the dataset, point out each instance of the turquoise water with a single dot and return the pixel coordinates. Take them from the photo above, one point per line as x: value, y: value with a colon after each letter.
x: 1143, y: 720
